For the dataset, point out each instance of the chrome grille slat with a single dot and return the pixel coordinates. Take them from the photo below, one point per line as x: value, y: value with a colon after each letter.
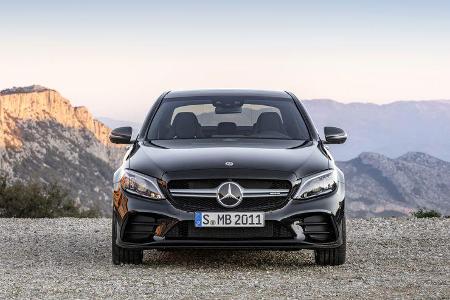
x: 212, y: 193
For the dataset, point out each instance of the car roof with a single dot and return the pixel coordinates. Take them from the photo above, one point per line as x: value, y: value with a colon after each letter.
x: 228, y: 92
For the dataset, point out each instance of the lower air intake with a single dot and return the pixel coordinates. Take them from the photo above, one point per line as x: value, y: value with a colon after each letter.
x: 316, y: 227
x: 186, y: 230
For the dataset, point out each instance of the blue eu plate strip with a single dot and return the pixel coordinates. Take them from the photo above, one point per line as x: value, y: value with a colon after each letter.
x: 198, y: 219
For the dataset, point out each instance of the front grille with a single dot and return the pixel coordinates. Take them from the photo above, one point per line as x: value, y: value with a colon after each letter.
x: 186, y: 230
x: 259, y: 195
x: 214, y: 183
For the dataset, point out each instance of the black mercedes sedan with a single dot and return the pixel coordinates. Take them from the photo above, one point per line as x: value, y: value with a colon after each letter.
x: 228, y: 169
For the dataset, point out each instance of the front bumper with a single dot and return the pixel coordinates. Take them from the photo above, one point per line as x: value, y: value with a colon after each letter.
x: 154, y: 224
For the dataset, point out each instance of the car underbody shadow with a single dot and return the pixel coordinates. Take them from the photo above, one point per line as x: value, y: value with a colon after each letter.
x: 229, y: 258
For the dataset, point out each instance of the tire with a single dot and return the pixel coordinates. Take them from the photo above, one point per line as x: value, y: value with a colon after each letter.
x: 333, y: 256
x: 123, y: 255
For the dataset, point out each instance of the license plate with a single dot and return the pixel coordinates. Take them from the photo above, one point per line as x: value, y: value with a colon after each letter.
x: 229, y: 219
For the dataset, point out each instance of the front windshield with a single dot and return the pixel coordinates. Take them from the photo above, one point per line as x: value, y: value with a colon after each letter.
x: 228, y: 117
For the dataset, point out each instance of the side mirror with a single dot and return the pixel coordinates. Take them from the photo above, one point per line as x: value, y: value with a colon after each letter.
x: 121, y: 135
x: 334, y: 135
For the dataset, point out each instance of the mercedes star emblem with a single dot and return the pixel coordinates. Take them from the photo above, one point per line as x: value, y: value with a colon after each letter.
x: 229, y: 194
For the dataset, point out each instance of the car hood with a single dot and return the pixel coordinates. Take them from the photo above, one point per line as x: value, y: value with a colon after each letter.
x: 156, y: 160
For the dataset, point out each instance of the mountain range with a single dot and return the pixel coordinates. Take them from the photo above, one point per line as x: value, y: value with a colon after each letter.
x: 380, y: 186
x: 43, y: 137
x: 389, y: 129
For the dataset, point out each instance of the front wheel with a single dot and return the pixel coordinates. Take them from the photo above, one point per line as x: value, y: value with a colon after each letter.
x: 123, y: 255
x: 333, y: 256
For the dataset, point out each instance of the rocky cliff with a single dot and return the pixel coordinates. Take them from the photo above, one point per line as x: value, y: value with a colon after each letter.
x: 40, y: 104
x: 43, y: 137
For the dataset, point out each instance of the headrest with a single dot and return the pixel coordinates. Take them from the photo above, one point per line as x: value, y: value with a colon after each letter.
x: 185, y: 125
x: 269, y: 121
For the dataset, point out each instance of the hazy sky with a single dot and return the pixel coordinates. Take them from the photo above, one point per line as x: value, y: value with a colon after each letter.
x: 116, y: 58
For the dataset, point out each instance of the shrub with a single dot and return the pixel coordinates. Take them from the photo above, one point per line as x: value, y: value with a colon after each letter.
x: 425, y: 213
x: 37, y: 200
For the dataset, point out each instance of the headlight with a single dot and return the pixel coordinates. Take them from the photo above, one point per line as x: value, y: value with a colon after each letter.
x: 318, y: 184
x: 141, y: 185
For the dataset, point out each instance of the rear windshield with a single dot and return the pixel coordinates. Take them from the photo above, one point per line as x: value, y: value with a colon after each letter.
x: 228, y: 117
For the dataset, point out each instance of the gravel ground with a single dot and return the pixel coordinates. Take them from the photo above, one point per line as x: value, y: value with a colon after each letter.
x: 70, y: 258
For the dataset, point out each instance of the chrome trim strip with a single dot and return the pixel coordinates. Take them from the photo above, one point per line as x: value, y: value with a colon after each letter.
x: 271, y: 194
x: 194, y: 191
x: 194, y: 195
x: 212, y: 193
